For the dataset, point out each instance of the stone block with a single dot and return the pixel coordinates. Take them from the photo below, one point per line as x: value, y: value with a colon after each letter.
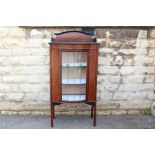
x: 14, y: 79
x: 38, y: 106
x: 142, y: 60
x: 8, y: 42
x: 108, y: 70
x: 118, y: 33
x: 31, y: 51
x: 4, y: 61
x: 27, y: 60
x: 144, y: 70
x: 35, y: 33
x: 153, y: 109
x: 141, y: 51
x: 101, y: 88
x: 4, y: 106
x: 31, y: 70
x: 151, y: 52
x: 103, y: 112
x: 135, y: 104
x: 8, y: 112
x: 5, y: 87
x: 128, y: 60
x: 103, y: 51
x: 40, y: 52
x: 113, y: 44
x: 131, y: 52
x: 133, y: 112
x: 136, y: 70
x: 136, y: 96
x: 6, y: 70
x: 16, y: 32
x: 39, y: 113
x: 47, y: 60
x: 104, y: 60
x: 142, y: 34
x: 16, y: 106
x: 2, y: 96
x: 108, y: 78
x: 31, y: 96
x: 133, y: 79
x: 41, y: 33
x: 107, y: 105
x: 35, y: 43
x: 150, y: 95
x: 127, y: 70
x: 4, y: 32
x: 149, y: 78
x: 14, y: 96
x: 44, y: 95
x: 5, y: 52
x: 136, y: 87
x: 24, y: 113
x: 25, y: 78
x: 142, y: 43
x: 14, y: 87
x: 33, y: 87
x: 118, y: 96
x: 143, y: 95
x: 118, y: 61
x: 38, y: 78
x: 119, y: 112
x: 152, y: 33
x: 105, y: 96
x: 152, y: 43
x: 129, y: 44
x: 73, y: 113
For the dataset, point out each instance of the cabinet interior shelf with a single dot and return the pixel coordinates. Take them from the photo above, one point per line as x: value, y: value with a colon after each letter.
x: 73, y: 81
x: 67, y: 65
x: 73, y: 97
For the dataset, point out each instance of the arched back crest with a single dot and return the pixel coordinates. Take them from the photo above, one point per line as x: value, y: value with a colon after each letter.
x: 73, y: 36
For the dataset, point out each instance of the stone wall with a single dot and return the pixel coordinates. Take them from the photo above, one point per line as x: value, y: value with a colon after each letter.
x: 125, y: 71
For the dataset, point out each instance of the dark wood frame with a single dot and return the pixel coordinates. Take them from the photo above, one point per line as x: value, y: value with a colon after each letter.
x: 74, y: 41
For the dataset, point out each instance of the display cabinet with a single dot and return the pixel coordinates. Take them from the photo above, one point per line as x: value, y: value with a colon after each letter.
x: 73, y: 70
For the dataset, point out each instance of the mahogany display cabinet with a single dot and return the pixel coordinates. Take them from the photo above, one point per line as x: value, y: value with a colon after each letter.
x: 73, y: 70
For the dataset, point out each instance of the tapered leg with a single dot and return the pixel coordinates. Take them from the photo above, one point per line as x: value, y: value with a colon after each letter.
x: 91, y: 111
x: 52, y: 114
x: 53, y: 111
x: 94, y: 117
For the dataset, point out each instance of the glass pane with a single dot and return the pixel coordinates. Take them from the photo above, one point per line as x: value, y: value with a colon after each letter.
x: 74, y: 66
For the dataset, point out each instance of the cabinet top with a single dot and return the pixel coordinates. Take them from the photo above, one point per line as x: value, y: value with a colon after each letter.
x: 73, y: 37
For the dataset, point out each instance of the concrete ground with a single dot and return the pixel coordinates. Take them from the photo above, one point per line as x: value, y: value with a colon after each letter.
x: 78, y: 122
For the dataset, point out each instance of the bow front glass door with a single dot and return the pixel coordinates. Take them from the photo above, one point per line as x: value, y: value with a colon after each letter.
x: 74, y: 75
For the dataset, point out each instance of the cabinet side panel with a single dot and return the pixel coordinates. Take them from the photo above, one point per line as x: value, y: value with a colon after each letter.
x: 92, y: 75
x: 54, y: 75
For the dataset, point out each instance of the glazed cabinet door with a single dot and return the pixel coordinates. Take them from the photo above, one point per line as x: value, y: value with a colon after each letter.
x: 74, y: 75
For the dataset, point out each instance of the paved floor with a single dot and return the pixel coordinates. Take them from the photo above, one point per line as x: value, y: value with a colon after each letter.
x: 78, y: 122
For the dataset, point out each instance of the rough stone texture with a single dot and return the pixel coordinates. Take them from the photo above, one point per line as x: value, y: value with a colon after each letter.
x: 118, y: 112
x: 40, y: 113
x: 24, y: 112
x: 125, y: 70
x: 9, y: 112
x: 152, y: 33
x: 142, y: 34
x: 153, y: 109
x: 133, y: 112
